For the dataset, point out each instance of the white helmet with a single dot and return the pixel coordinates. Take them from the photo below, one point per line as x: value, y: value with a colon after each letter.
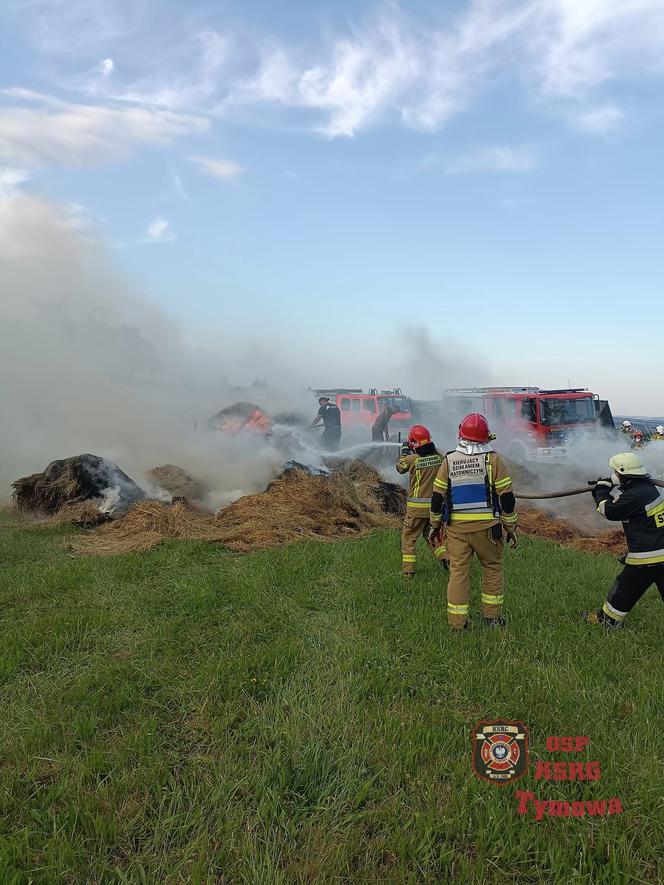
x: 626, y: 424
x: 628, y: 464
x: 660, y: 429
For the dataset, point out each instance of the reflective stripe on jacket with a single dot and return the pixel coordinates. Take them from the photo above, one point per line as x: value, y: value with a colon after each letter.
x: 640, y: 508
x: 422, y: 470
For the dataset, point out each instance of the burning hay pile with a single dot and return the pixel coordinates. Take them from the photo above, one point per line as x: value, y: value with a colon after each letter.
x: 65, y: 485
x: 177, y: 482
x: 294, y: 507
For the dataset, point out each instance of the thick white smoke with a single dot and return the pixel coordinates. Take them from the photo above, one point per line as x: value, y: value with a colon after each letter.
x: 89, y: 367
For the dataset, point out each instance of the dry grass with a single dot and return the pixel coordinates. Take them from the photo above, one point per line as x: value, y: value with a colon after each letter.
x: 146, y: 525
x: 295, y: 506
x: 535, y: 522
x: 177, y: 482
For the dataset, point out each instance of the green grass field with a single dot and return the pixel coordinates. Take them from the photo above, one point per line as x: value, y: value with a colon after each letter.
x: 302, y: 715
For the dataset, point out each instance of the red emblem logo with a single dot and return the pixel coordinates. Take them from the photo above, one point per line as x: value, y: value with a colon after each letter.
x: 500, y: 751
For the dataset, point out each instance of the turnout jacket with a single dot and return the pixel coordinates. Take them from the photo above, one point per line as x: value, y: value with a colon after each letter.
x: 422, y: 466
x: 640, y: 508
x: 473, y: 491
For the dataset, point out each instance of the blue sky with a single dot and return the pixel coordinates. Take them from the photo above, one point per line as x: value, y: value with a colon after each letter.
x: 340, y: 173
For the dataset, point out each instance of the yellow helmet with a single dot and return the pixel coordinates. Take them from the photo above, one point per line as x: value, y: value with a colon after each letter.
x: 628, y: 464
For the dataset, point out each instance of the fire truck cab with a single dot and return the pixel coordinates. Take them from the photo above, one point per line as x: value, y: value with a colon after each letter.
x: 531, y: 424
x: 360, y: 409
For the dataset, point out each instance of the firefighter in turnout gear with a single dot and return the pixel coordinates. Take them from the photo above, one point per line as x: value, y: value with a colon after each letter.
x: 626, y: 428
x: 473, y: 495
x: 658, y: 433
x: 419, y: 458
x: 640, y: 507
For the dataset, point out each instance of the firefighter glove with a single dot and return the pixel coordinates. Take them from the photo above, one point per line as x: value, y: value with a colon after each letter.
x: 512, y: 538
x: 405, y: 449
x: 604, y: 483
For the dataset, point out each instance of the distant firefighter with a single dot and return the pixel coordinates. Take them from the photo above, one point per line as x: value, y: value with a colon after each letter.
x: 421, y: 460
x: 626, y: 427
x: 330, y: 415
x: 640, y: 507
x: 380, y: 430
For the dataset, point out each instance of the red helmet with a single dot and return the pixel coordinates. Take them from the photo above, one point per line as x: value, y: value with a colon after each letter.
x: 418, y: 436
x: 475, y: 428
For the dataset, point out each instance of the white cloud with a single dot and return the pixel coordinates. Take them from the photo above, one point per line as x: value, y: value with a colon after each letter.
x: 579, y: 44
x: 218, y: 168
x: 423, y: 72
x: 496, y: 158
x: 10, y: 181
x: 65, y: 134
x: 159, y: 231
x: 106, y: 67
x: 600, y: 120
x: 418, y: 70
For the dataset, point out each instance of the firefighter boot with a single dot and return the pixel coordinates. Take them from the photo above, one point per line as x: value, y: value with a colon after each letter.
x: 495, y: 623
x: 600, y: 618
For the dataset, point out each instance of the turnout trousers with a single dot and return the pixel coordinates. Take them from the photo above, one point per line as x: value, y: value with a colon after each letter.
x: 331, y: 438
x: 629, y: 587
x: 462, y: 546
x: 413, y: 528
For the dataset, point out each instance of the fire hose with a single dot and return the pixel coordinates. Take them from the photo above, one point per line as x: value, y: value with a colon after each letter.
x: 535, y: 496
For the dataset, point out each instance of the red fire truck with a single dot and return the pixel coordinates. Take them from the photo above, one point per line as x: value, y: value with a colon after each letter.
x: 360, y: 409
x: 533, y: 424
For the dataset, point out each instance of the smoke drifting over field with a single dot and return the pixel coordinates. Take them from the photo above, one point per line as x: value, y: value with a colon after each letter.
x: 88, y: 365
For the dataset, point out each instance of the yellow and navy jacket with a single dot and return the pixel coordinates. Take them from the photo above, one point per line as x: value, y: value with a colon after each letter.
x: 473, y: 491
x: 640, y: 508
x: 422, y: 466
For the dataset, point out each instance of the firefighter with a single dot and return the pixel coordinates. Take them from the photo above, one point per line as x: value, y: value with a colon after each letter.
x: 659, y: 432
x: 380, y: 429
x: 626, y: 428
x: 640, y: 507
x: 638, y: 440
x: 419, y: 458
x: 473, y: 495
x: 330, y: 415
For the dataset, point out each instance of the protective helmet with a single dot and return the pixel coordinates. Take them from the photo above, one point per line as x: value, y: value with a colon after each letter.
x: 626, y: 424
x: 628, y: 464
x: 419, y: 436
x: 660, y: 429
x: 474, y: 428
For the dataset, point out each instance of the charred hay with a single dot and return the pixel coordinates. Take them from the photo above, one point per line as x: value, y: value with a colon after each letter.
x: 295, y: 506
x: 72, y: 481
x: 177, y: 482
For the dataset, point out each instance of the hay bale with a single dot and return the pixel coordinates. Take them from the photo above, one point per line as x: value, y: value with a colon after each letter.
x: 72, y: 480
x: 392, y: 498
x: 147, y: 525
x: 295, y: 506
x: 354, y: 469
x: 177, y: 482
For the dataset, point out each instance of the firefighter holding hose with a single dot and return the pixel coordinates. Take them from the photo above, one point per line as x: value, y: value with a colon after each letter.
x: 472, y: 495
x: 420, y: 459
x: 640, y: 507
